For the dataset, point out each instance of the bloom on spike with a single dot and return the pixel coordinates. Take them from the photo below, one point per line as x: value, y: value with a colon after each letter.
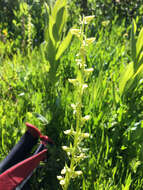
x: 86, y: 118
x: 74, y: 108
x: 79, y: 62
x: 81, y: 156
x: 73, y: 81
x: 88, y: 19
x: 89, y: 70
x: 62, y: 182
x: 90, y: 40
x: 63, y: 171
x: 67, y: 132
x: 78, y: 173
x: 65, y: 148
x: 59, y: 177
x: 76, y: 32
x: 85, y: 135
x: 84, y: 86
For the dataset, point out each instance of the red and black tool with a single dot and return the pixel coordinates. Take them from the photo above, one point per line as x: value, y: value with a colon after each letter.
x: 18, y: 167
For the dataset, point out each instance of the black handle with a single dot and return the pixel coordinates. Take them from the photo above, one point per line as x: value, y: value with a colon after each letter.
x: 19, y: 152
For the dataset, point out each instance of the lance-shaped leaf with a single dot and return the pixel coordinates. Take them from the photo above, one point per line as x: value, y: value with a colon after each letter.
x: 133, y: 41
x: 61, y: 19
x: 58, y: 5
x: 140, y: 59
x: 99, y: 90
x: 139, y: 72
x: 51, y: 24
x: 59, y: 24
x: 139, y: 43
x: 125, y: 77
x: 59, y: 14
x: 64, y: 44
x: 133, y: 82
x: 46, y: 31
x: 50, y: 52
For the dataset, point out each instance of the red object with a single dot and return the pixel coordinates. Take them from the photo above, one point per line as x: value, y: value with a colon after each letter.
x: 46, y: 139
x: 12, y: 177
x: 33, y: 130
x: 36, y: 133
x: 16, y: 174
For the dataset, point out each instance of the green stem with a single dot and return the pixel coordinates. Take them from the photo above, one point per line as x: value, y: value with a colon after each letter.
x: 79, y: 95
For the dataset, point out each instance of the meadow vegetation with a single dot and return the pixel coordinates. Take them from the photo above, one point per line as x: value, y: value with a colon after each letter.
x: 75, y: 70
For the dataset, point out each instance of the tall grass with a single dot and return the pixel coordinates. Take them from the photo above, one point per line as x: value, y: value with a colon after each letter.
x: 34, y: 87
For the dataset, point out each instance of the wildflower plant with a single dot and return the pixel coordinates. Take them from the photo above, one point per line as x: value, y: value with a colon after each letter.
x: 29, y: 28
x: 74, y: 151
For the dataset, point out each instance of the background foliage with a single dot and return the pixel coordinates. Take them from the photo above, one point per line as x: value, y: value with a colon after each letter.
x: 34, y: 87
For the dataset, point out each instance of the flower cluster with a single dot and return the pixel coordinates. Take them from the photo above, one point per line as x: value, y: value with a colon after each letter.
x: 73, y: 174
x: 74, y: 151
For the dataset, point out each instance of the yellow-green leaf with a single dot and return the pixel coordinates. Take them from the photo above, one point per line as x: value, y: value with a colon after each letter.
x: 64, y: 44
x: 133, y: 40
x: 126, y: 75
x: 58, y: 5
x: 139, y: 71
x: 139, y: 43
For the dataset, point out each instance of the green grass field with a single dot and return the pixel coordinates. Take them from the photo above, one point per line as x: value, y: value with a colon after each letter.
x: 83, y: 87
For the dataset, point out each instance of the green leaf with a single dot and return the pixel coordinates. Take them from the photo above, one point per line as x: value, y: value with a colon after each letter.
x: 140, y: 60
x: 97, y: 88
x: 125, y: 77
x: 55, y: 33
x: 135, y: 164
x: 47, y: 9
x: 64, y: 44
x: 134, y: 81
x: 56, y: 22
x: 139, y: 71
x: 46, y: 34
x: 128, y: 182
x: 46, y: 31
x: 133, y: 41
x: 50, y: 52
x: 61, y: 19
x: 51, y: 24
x: 107, y: 147
x: 58, y: 5
x: 139, y: 43
x: 58, y: 25
x: 24, y: 8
